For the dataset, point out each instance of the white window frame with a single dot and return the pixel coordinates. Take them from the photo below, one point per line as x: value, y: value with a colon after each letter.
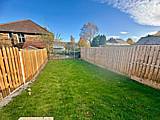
x: 20, y: 37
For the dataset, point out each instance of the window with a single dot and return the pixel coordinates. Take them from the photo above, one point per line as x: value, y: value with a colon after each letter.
x: 21, y: 38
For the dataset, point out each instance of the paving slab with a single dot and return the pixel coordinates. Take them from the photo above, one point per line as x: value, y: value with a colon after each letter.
x: 36, y: 118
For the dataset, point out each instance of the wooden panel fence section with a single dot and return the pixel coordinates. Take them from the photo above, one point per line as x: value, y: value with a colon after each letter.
x: 141, y: 63
x: 32, y: 62
x: 18, y: 67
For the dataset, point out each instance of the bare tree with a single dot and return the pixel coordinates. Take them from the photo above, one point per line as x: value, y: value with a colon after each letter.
x: 88, y: 31
x: 58, y: 36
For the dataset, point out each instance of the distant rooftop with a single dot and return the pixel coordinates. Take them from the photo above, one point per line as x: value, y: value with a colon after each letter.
x: 116, y: 41
x: 157, y: 34
x: 149, y: 40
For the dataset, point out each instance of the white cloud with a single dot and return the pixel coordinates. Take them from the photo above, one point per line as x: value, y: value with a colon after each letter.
x: 145, y: 12
x: 151, y: 33
x: 136, y: 38
x: 124, y: 33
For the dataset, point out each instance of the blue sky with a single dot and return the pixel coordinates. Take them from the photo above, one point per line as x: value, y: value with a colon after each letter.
x: 68, y: 16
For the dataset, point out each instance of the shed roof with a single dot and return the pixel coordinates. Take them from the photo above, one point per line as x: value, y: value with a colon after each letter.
x: 23, y: 26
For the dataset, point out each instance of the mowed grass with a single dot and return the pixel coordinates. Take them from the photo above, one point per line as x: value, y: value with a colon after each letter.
x: 77, y: 90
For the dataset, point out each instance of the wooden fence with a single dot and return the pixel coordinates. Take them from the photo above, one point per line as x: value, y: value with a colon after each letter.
x: 141, y: 63
x: 18, y: 67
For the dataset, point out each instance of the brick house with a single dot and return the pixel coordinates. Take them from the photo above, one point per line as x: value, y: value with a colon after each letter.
x: 22, y: 34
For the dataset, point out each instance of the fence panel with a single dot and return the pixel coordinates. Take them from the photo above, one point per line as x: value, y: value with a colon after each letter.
x: 18, y: 67
x: 141, y: 63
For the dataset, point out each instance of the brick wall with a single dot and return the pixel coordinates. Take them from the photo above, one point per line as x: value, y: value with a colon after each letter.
x: 6, y: 41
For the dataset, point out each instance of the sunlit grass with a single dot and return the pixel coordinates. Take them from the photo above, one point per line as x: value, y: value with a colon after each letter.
x: 74, y: 89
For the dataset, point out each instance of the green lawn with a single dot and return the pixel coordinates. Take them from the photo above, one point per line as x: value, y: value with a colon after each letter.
x: 77, y: 90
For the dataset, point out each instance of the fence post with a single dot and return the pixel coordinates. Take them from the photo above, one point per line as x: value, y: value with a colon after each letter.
x: 22, y: 67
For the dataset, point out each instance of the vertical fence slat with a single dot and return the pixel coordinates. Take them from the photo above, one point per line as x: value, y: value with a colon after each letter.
x: 17, y: 68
